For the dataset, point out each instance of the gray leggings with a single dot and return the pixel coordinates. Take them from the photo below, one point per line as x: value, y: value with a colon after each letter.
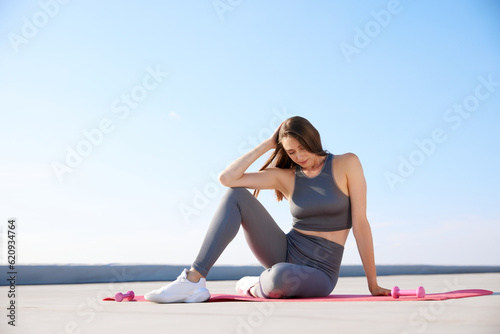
x: 297, y: 265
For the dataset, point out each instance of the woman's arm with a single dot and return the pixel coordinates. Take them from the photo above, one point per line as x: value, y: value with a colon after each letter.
x: 360, y: 227
x: 234, y: 175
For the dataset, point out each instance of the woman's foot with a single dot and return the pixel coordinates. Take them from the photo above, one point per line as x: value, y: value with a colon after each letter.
x: 246, y: 285
x: 182, y: 290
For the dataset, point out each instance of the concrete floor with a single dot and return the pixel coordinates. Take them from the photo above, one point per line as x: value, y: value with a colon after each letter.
x: 78, y: 308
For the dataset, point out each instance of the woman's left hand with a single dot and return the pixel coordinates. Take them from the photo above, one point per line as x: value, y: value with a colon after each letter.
x: 378, y: 291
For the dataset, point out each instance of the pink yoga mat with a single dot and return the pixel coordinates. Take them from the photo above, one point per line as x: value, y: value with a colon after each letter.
x: 342, y: 298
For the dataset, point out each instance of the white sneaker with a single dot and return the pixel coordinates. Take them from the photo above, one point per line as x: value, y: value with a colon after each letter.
x: 245, y: 284
x: 180, y: 291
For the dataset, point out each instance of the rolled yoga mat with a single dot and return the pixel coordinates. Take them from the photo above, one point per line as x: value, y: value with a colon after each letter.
x: 342, y: 298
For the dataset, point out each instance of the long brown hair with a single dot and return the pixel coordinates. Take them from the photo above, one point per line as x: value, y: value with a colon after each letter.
x: 305, y: 133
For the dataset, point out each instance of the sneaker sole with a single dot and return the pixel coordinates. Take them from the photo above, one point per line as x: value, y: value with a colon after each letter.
x: 199, y: 295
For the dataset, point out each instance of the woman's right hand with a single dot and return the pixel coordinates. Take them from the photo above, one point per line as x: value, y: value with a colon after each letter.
x: 273, y: 140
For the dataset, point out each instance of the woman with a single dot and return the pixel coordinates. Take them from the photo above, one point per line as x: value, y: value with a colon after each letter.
x: 327, y: 197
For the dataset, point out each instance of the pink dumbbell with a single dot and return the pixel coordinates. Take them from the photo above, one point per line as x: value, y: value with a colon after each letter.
x: 127, y: 296
x: 396, y: 292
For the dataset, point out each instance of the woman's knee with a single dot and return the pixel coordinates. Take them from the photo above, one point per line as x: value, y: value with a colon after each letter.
x: 282, y: 280
x: 285, y: 280
x: 237, y: 192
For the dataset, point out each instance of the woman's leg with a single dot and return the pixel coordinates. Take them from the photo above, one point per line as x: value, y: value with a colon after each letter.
x: 266, y: 239
x: 285, y: 280
x: 239, y: 207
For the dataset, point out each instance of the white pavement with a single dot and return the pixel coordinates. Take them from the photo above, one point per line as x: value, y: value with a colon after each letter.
x: 77, y: 308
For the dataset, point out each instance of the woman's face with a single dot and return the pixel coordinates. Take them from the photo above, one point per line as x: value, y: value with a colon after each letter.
x: 297, y: 153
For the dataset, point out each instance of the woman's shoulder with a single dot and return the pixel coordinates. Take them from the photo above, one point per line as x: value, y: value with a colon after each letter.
x: 347, y: 158
x: 347, y: 163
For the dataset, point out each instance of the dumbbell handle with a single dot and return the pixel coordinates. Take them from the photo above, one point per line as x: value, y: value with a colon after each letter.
x: 121, y: 296
x: 419, y: 292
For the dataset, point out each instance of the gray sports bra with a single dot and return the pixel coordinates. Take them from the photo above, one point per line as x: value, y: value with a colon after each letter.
x: 317, y: 203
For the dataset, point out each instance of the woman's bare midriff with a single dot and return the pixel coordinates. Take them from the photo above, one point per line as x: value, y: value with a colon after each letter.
x: 339, y: 237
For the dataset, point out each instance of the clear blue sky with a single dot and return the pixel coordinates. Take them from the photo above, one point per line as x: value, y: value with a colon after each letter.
x: 180, y: 89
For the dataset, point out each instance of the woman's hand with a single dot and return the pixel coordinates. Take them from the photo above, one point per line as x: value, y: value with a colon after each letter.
x: 273, y: 140
x: 378, y: 291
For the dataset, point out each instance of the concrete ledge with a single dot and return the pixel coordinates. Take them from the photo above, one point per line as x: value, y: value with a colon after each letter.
x: 79, y: 274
